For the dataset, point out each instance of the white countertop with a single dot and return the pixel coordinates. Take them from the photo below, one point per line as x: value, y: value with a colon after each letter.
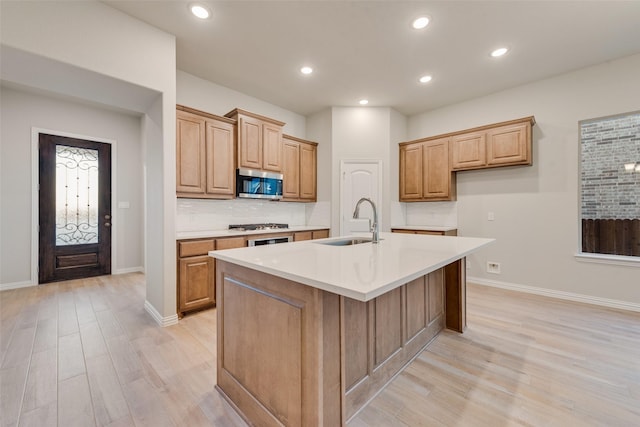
x: 234, y: 233
x: 362, y: 271
x: 425, y: 227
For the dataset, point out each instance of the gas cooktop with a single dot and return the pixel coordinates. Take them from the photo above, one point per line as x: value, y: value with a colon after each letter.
x: 265, y: 226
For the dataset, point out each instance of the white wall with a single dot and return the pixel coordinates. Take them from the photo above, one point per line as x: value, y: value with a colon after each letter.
x: 398, y: 133
x: 536, y: 208
x: 207, y: 96
x: 19, y: 112
x: 319, y: 127
x: 103, y: 42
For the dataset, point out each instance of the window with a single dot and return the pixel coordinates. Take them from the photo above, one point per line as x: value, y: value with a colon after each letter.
x: 610, y: 185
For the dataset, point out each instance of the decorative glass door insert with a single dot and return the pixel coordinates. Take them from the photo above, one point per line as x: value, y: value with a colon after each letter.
x: 76, y: 195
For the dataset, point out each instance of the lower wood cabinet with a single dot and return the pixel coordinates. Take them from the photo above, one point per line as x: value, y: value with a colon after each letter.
x: 453, y: 232
x: 310, y: 235
x: 196, y: 287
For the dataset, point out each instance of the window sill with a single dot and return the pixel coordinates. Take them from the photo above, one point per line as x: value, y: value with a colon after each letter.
x: 628, y: 261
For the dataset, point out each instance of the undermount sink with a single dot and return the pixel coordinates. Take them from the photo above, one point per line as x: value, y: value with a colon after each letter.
x: 345, y: 242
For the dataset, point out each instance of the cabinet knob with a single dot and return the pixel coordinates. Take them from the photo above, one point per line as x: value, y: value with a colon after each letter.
x: 107, y: 224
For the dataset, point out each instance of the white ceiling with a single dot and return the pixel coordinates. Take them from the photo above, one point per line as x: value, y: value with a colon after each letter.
x: 367, y: 49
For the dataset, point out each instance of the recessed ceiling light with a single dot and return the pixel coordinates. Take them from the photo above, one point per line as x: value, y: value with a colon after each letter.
x: 421, y: 22
x: 499, y: 52
x: 200, y: 11
x: 425, y: 79
x: 306, y: 70
x: 363, y: 101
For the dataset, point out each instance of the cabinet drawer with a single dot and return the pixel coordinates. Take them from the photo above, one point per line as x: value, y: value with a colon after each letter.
x: 320, y: 234
x: 196, y: 247
x: 302, y: 235
x: 230, y: 243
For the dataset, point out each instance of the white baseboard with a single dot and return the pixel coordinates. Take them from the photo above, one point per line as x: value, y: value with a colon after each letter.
x: 162, y: 321
x: 139, y: 269
x: 16, y: 285
x: 588, y: 299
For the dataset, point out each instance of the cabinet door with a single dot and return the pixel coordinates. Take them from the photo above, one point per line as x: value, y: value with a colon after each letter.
x: 320, y: 234
x: 411, y: 172
x: 190, y: 154
x: 220, y: 159
x: 272, y: 147
x: 291, y: 170
x: 249, y: 143
x: 196, y: 288
x: 437, y: 175
x: 308, y: 171
x: 468, y: 151
x: 509, y: 145
x: 302, y: 235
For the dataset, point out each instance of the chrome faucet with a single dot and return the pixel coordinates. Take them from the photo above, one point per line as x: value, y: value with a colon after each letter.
x: 374, y: 226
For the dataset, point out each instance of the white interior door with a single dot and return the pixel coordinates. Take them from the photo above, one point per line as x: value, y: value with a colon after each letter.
x: 360, y: 178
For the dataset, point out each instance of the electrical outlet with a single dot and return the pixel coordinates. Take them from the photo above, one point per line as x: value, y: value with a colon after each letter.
x: 493, y: 267
x: 491, y: 216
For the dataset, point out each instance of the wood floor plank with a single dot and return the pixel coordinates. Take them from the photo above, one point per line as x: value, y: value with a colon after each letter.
x: 70, y: 357
x: 108, y: 400
x: 74, y: 403
x: 42, y: 380
x: 46, y: 334
x: 67, y: 318
x: 43, y: 416
x: 12, y: 384
x: 93, y: 344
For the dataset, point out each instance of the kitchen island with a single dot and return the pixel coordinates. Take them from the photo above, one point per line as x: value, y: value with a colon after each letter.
x: 309, y: 332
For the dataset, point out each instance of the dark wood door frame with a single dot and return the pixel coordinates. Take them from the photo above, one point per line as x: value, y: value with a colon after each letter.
x: 71, y: 261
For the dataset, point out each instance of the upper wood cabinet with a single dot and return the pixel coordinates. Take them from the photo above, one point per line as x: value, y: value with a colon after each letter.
x: 259, y: 141
x: 205, y: 155
x: 501, y: 144
x: 299, y: 169
x: 424, y: 171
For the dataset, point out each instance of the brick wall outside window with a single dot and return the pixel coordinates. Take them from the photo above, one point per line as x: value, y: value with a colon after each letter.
x: 608, y: 191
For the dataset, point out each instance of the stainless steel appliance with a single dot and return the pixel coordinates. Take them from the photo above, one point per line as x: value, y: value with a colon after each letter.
x: 255, y: 184
x: 264, y: 226
x: 268, y: 240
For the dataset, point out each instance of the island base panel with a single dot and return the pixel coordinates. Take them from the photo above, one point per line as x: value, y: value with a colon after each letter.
x: 290, y: 354
x: 276, y: 360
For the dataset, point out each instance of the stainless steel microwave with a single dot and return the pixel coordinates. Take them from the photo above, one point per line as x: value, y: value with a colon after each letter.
x: 256, y: 184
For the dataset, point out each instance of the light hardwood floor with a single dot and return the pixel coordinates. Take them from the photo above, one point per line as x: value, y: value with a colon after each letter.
x: 84, y: 353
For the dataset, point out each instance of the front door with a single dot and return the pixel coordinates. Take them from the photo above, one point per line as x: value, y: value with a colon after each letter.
x: 74, y: 208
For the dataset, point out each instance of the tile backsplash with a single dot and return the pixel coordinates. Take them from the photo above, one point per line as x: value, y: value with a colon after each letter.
x: 203, y: 215
x: 432, y: 213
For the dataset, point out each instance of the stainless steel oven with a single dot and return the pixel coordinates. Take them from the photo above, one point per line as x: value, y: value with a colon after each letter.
x: 269, y: 240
